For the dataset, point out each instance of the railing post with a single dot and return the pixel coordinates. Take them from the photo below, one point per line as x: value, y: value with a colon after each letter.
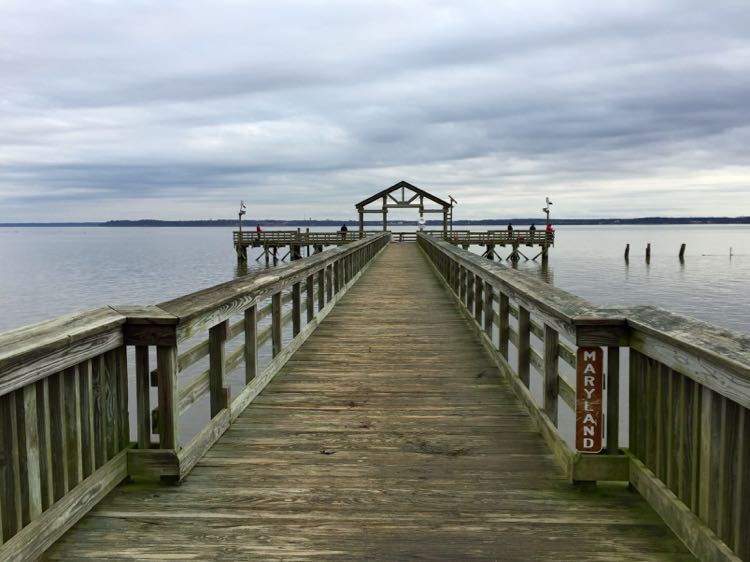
x: 551, y: 378
x: 251, y: 343
x: 478, y: 286
x: 524, y: 347
x: 336, y: 276
x: 143, y: 397
x: 217, y: 335
x: 488, y: 310
x: 310, y: 300
x: 321, y: 288
x: 469, y: 291
x: 462, y: 283
x: 503, y: 322
x: 613, y: 400
x: 329, y: 283
x: 166, y: 366
x: 296, y: 309
x: 276, y: 324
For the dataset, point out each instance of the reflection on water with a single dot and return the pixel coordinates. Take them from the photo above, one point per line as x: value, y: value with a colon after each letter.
x: 87, y: 267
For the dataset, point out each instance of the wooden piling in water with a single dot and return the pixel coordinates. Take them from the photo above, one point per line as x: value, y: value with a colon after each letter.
x: 648, y: 251
x: 627, y: 252
x: 682, y: 251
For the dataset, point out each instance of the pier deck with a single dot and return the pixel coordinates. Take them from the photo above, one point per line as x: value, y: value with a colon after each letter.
x: 431, y: 456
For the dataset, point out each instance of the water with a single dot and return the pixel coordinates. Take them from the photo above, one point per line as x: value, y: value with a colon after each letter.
x: 47, y: 272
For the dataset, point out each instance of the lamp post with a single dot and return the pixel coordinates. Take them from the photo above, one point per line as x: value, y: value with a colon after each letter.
x: 242, y: 212
x: 546, y: 209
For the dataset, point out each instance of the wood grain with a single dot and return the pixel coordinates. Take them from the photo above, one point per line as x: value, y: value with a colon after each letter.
x: 389, y: 434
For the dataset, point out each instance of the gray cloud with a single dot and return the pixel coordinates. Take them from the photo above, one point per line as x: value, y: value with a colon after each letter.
x: 114, y: 109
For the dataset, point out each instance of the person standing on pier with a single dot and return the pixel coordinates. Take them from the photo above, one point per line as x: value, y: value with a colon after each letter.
x: 549, y: 230
x: 258, y: 230
x: 510, y: 227
x: 344, y: 230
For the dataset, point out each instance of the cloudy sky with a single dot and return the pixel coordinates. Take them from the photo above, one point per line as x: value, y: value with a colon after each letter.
x: 178, y: 109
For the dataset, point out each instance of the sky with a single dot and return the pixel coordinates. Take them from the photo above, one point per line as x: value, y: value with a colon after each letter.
x: 180, y: 109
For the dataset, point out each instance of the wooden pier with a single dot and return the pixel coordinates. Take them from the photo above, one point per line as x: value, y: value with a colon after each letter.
x: 413, y: 405
x: 403, y: 195
x: 296, y: 244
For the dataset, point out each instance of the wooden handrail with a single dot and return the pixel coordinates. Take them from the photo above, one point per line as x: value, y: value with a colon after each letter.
x: 64, y: 428
x: 689, y: 396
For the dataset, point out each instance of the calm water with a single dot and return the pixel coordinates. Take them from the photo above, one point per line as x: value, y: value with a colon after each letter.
x: 47, y: 272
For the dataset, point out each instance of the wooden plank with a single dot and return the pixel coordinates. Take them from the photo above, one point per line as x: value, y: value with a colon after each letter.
x: 504, y: 325
x: 296, y: 309
x: 217, y: 335
x: 111, y: 405
x: 741, y: 511
x: 551, y: 378
x: 276, y: 324
x: 711, y: 356
x: 45, y: 447
x: 524, y: 346
x: 478, y: 302
x: 154, y: 464
x: 99, y: 390
x: 57, y: 436
x: 72, y: 434
x: 310, y: 297
x: 593, y: 468
x: 143, y: 397
x: 29, y: 354
x: 34, y: 539
x: 321, y: 289
x: 693, y: 532
x: 613, y: 400
x: 166, y: 364
x: 251, y: 344
x: 428, y: 452
x: 10, y: 500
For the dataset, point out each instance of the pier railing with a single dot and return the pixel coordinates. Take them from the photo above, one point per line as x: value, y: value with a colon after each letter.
x: 65, y: 433
x: 687, y: 406
x: 287, y: 237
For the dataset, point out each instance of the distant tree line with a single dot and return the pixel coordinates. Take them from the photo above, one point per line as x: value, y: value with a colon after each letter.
x: 334, y: 223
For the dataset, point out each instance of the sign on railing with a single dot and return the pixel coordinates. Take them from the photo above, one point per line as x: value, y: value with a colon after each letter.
x: 589, y: 393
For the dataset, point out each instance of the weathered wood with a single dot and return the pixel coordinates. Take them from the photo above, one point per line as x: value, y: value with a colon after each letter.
x: 711, y: 356
x: 45, y: 447
x: 695, y: 534
x: 143, y: 397
x: 72, y: 432
x: 551, y: 378
x: 310, y: 297
x: 29, y: 354
x: 251, y: 343
x: 33, y: 540
x: 276, y: 325
x: 154, y: 464
x: 478, y: 302
x: 421, y: 409
x: 524, y: 348
x: 216, y: 338
x: 32, y: 488
x: 613, y: 400
x: 594, y: 468
x: 166, y: 364
x: 10, y: 485
x: 296, y: 309
x: 503, y: 325
x: 57, y: 438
